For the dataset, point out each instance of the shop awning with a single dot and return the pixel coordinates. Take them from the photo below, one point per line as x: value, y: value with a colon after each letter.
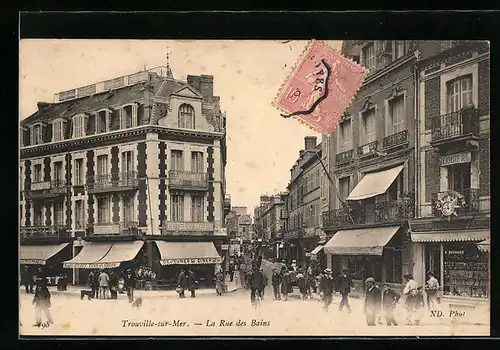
x: 366, y: 241
x: 89, y: 257
x: 120, y: 252
x: 39, y: 254
x: 484, y: 246
x: 373, y: 184
x: 317, y: 250
x: 451, y: 236
x: 187, y: 253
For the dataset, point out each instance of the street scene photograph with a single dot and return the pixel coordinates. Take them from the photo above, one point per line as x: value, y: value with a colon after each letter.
x: 254, y: 188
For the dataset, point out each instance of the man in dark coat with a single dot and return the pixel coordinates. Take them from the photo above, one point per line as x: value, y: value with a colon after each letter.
x: 256, y: 285
x: 92, y: 282
x: 373, y: 301
x: 389, y: 300
x: 182, y: 282
x: 344, y: 284
x: 130, y: 285
x: 326, y: 286
x: 276, y: 281
x: 231, y: 272
x: 191, y: 282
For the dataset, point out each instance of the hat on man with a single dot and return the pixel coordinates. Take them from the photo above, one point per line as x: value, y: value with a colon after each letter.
x: 370, y: 279
x: 328, y: 271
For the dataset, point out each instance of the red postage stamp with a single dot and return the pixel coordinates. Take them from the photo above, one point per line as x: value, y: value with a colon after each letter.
x: 320, y: 88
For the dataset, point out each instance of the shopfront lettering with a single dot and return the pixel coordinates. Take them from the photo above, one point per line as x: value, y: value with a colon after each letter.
x: 456, y: 158
x: 192, y: 261
x: 32, y: 262
x: 454, y: 252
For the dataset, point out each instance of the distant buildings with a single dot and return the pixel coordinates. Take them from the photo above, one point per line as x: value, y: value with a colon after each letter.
x: 270, y: 223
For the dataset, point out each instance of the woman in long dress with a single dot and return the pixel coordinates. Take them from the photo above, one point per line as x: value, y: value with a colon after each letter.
x: 219, y: 283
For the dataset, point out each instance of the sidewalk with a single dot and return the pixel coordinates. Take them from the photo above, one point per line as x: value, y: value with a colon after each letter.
x: 75, y: 290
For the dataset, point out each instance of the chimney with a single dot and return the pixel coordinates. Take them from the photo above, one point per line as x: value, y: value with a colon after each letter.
x: 194, y: 81
x: 42, y: 105
x: 310, y: 142
x: 301, y: 153
x: 207, y: 85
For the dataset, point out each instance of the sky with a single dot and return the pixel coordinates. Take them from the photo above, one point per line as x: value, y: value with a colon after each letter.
x: 262, y: 146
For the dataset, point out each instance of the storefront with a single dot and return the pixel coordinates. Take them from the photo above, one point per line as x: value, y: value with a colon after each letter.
x: 45, y: 260
x: 459, y: 260
x: 200, y: 257
x: 378, y: 252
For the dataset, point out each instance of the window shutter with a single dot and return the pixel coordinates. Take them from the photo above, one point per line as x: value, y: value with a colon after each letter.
x: 47, y: 132
x: 121, y: 118
x: 134, y: 115
x: 67, y: 127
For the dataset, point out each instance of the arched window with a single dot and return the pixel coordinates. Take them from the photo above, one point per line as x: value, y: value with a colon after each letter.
x: 186, y: 117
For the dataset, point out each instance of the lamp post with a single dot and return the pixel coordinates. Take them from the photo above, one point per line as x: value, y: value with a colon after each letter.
x: 344, y: 203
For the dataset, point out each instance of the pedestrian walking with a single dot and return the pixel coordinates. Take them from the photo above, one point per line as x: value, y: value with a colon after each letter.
x: 431, y: 289
x: 419, y: 306
x: 285, y: 282
x: 129, y: 284
x: 92, y: 283
x: 113, y: 285
x: 256, y: 285
x: 302, y: 283
x: 103, y: 281
x: 181, y: 283
x: 191, y: 282
x: 326, y: 287
x: 231, y: 272
x: 344, y: 285
x: 389, y: 300
x: 42, y: 303
x: 265, y: 281
x: 410, y: 292
x: 373, y: 300
x: 276, y: 281
x: 219, y: 282
x: 310, y: 281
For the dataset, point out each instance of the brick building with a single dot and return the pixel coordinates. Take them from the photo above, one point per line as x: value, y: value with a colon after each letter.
x: 126, y: 171
x: 453, y: 148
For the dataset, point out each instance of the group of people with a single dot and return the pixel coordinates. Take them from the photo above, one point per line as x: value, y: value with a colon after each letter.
x: 186, y: 280
x: 106, y: 284
x: 29, y: 277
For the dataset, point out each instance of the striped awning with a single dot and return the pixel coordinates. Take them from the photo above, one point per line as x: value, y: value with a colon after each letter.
x: 39, y: 254
x: 317, y: 250
x: 451, y: 236
x: 89, y: 257
x: 363, y: 241
x: 188, y: 253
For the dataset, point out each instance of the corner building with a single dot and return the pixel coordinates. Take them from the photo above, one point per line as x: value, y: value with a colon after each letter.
x: 126, y: 172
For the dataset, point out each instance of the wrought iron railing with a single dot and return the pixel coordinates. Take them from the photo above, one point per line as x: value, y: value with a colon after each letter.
x: 124, y: 228
x: 455, y: 124
x: 284, y: 214
x: 47, y: 187
x: 125, y: 180
x: 396, y: 139
x: 293, y: 233
x: 467, y: 202
x: 187, y: 179
x: 344, y: 157
x: 394, y: 210
x: 44, y: 231
x: 367, y: 149
x: 174, y: 228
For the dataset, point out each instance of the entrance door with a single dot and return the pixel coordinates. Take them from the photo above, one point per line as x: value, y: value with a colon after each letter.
x: 433, y: 260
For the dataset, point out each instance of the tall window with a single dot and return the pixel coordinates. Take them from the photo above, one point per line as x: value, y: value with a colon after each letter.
x: 127, y: 162
x: 344, y: 187
x: 102, y: 169
x: 459, y: 93
x: 317, y: 211
x: 369, y: 57
x: 102, y: 122
x: 58, y: 172
x: 58, y: 213
x: 36, y: 134
x: 186, y: 117
x: 128, y: 209
x: 459, y: 177
x: 318, y: 177
x: 79, y: 215
x: 177, y: 208
x: 103, y: 210
x: 197, y: 204
x: 57, y: 130
x: 79, y: 175
x: 197, y: 162
x: 345, y: 136
x: 37, y: 176
x: 79, y: 126
x: 177, y: 161
x: 400, y: 48
x: 38, y: 219
x: 396, y: 120
x: 396, y: 189
x: 369, y: 126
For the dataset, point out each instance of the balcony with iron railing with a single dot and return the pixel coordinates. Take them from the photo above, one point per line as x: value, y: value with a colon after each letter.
x: 460, y: 125
x: 368, y: 149
x: 178, y: 179
x: 358, y: 214
x: 47, y: 189
x: 124, y: 228
x: 462, y: 203
x: 396, y: 140
x: 44, y: 231
x: 284, y: 214
x: 344, y: 157
x: 187, y: 228
x: 293, y: 233
x: 113, y: 182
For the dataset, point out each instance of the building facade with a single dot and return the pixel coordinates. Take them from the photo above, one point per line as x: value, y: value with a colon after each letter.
x: 135, y: 158
x: 269, y: 223
x: 451, y: 231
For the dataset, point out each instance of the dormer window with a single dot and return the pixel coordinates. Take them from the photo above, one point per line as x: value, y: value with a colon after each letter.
x: 186, y: 117
x: 102, y: 121
x: 79, y: 125
x: 58, y: 130
x: 400, y: 49
x: 36, y: 134
x: 369, y: 57
x: 128, y: 116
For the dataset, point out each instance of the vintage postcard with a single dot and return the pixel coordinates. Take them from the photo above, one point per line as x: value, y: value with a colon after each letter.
x: 254, y: 188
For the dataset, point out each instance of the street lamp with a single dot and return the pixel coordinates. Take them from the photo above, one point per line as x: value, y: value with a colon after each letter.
x: 344, y: 203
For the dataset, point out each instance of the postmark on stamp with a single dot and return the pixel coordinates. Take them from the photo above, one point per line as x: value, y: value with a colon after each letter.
x: 320, y: 87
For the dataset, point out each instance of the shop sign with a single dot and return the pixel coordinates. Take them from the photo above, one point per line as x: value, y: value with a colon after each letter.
x: 456, y: 158
x: 224, y: 246
x: 448, y: 202
x: 192, y: 261
x: 32, y: 262
x: 455, y: 252
x: 91, y: 266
